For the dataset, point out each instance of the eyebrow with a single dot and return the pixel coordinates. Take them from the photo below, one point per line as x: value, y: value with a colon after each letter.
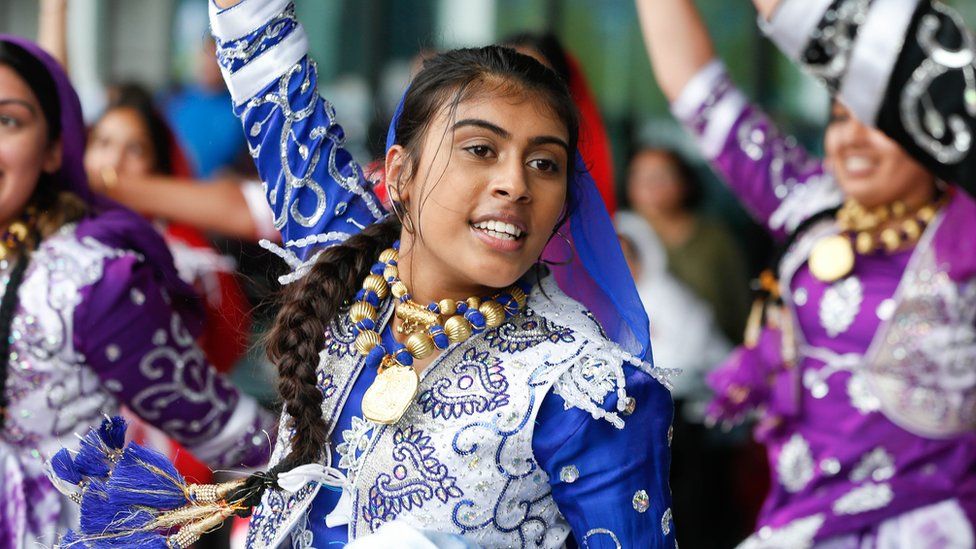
x: 20, y: 102
x: 503, y: 133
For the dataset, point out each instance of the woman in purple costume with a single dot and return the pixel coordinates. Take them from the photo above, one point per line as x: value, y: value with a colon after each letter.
x: 93, y: 314
x: 864, y: 381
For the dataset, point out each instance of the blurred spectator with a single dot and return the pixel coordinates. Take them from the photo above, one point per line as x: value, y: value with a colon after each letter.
x: 664, y: 190
x: 202, y: 117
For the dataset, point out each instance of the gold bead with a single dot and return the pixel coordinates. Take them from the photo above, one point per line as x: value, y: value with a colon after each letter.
x: 18, y: 230
x: 518, y: 295
x: 457, y: 329
x: 912, y: 229
x: 926, y: 214
x: 391, y: 271
x: 864, y: 243
x: 377, y: 284
x: 447, y: 306
x: 420, y: 345
x: 366, y: 341
x: 494, y: 313
x: 361, y: 310
x: 473, y: 302
x: 399, y: 289
x: 898, y: 208
x: 388, y: 255
x: 891, y: 239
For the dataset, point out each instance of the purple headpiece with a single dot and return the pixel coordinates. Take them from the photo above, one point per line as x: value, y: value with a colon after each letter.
x: 109, y: 222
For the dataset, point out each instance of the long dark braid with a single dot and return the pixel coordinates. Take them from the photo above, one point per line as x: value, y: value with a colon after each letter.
x: 299, y: 330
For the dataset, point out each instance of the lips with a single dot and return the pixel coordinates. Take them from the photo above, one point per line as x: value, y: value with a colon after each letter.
x: 859, y: 165
x: 500, y: 231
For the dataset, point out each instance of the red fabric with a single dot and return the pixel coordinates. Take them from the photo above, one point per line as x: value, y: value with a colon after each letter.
x: 594, y: 144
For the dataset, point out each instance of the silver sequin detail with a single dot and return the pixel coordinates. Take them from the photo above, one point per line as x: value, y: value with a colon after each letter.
x: 885, y: 309
x: 137, y: 296
x: 569, y: 474
x: 861, y: 396
x: 630, y: 404
x: 641, y: 501
x: 830, y: 466
x: 800, y: 296
x: 794, y: 466
x: 877, y: 465
x: 840, y: 305
x: 666, y: 521
x: 112, y: 352
x: 864, y: 498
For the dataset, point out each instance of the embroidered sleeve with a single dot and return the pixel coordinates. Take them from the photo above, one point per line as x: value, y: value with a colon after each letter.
x: 775, y: 178
x: 905, y: 66
x: 316, y: 190
x: 611, y: 482
x: 145, y: 356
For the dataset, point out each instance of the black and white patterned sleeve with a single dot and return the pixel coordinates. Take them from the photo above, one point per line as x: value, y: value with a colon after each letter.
x: 907, y: 67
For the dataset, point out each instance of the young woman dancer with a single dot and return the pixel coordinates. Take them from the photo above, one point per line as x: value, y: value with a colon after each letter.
x: 435, y: 374
x: 864, y: 380
x: 93, y: 313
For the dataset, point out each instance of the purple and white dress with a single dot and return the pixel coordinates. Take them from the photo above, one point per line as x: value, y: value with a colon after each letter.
x: 870, y: 431
x: 103, y: 320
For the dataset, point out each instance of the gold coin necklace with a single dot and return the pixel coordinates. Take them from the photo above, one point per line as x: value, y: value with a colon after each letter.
x: 889, y: 228
x: 430, y: 328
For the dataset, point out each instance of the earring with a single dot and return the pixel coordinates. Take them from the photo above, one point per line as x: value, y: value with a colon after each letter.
x: 569, y: 244
x: 402, y: 215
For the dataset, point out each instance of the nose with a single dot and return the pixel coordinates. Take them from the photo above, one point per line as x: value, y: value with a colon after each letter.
x: 511, y: 184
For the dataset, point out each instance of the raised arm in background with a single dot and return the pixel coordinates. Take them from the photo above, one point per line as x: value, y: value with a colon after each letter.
x: 907, y: 67
x: 777, y: 180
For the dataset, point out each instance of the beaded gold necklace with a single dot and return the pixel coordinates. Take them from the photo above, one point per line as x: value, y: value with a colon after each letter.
x: 430, y: 328
x: 889, y: 228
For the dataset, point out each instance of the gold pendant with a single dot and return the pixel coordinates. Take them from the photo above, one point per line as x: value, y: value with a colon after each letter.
x: 391, y: 393
x: 832, y: 258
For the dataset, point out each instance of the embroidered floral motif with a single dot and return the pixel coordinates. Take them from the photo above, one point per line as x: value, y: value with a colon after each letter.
x: 355, y: 441
x: 417, y: 477
x: 340, y: 340
x: 868, y: 497
x: 454, y: 396
x: 794, y: 466
x: 525, y: 332
x: 861, y: 396
x: 840, y: 305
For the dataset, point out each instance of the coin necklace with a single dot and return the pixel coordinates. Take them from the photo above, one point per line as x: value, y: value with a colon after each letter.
x: 435, y: 326
x: 833, y: 257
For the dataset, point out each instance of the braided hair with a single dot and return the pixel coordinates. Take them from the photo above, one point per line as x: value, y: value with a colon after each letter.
x: 312, y: 304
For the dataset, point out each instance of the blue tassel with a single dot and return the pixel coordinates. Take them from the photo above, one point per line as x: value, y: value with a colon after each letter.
x: 91, y: 460
x: 71, y: 540
x: 112, y: 432
x: 64, y: 467
x: 147, y: 478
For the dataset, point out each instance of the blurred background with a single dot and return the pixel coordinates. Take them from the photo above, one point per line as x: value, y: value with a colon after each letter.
x: 365, y: 50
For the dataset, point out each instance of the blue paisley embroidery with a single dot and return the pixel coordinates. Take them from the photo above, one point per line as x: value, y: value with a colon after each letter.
x: 340, y: 340
x: 527, y: 331
x: 417, y: 477
x: 326, y: 383
x: 452, y: 397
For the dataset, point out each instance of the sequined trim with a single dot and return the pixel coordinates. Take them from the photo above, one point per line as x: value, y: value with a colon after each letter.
x: 877, y: 465
x: 862, y: 499
x: 601, y: 532
x: 798, y: 534
x: 840, y: 305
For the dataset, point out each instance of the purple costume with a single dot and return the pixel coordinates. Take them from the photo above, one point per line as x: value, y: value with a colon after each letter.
x: 104, y: 320
x: 870, y: 426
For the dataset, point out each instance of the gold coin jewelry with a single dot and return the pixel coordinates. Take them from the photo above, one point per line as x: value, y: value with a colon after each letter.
x: 889, y: 228
x: 427, y: 329
x: 18, y: 231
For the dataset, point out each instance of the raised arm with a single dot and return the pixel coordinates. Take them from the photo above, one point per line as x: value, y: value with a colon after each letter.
x: 907, y: 67
x: 775, y: 178
x: 316, y: 190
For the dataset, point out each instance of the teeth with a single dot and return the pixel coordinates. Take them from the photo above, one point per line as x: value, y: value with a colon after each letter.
x: 499, y: 229
x: 858, y: 163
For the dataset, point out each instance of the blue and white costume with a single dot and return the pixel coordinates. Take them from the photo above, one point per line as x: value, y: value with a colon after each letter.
x: 542, y: 428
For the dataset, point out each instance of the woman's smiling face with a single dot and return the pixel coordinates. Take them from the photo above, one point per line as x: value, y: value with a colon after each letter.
x: 485, y: 193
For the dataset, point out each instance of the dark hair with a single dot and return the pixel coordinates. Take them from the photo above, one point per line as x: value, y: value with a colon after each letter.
x: 133, y: 96
x: 39, y: 80
x: 313, y: 303
x: 546, y: 44
x: 688, y: 178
